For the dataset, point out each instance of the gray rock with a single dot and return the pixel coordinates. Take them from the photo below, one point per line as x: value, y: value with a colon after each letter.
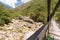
x: 27, y: 19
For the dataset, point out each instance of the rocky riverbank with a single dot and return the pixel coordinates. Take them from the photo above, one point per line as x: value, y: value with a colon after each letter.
x: 19, y: 29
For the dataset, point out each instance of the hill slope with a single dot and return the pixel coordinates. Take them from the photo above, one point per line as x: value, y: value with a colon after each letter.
x: 36, y: 9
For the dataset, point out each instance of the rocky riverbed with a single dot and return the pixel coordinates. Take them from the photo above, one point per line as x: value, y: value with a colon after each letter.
x: 19, y: 29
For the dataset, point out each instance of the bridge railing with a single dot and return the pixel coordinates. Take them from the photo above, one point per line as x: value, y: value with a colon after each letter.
x: 42, y: 33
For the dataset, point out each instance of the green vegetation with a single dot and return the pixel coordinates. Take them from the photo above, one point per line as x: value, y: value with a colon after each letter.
x: 36, y: 9
x: 57, y: 13
x: 57, y: 16
x: 6, y: 15
x: 49, y: 38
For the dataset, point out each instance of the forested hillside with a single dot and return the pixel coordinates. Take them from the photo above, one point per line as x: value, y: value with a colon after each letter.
x: 6, y: 15
x: 36, y: 9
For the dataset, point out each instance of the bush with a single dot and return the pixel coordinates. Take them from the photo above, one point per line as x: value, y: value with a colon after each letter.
x: 49, y: 38
x: 2, y: 22
x: 5, y: 16
x: 6, y: 20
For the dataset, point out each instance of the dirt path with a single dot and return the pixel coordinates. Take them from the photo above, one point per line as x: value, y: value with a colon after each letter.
x: 54, y: 30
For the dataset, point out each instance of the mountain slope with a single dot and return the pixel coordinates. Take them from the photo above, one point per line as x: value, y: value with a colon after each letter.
x: 12, y: 4
x: 36, y: 9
